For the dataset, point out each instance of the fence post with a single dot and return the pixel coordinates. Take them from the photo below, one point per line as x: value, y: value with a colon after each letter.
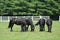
x: 40, y: 17
x: 1, y: 18
x: 8, y: 19
x: 32, y: 18
x: 23, y: 16
x: 16, y: 16
x: 59, y: 18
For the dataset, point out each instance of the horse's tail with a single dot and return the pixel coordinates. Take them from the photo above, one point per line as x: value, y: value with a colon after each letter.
x: 37, y: 23
x: 9, y: 24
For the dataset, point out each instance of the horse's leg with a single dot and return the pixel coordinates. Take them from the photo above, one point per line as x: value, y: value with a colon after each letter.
x: 44, y: 27
x: 11, y: 27
x: 24, y: 28
x: 21, y: 28
x: 27, y: 27
x: 49, y: 28
x: 9, y: 24
x: 41, y: 28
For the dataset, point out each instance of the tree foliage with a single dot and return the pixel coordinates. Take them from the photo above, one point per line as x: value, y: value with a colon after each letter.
x: 30, y: 7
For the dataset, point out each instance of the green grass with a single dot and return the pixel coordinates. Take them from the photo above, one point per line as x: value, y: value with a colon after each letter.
x: 5, y: 33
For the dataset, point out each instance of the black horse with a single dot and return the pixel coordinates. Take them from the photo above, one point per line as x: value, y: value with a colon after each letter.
x: 29, y: 22
x: 17, y: 21
x: 41, y: 23
x: 49, y: 24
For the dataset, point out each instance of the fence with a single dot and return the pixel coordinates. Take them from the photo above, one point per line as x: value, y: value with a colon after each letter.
x: 34, y: 18
x: 59, y: 18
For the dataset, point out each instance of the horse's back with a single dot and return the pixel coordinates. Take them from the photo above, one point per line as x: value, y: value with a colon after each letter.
x: 18, y: 21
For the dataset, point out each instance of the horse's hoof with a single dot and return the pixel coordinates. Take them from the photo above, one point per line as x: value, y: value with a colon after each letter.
x: 41, y: 30
x: 49, y: 31
x: 26, y: 30
x: 21, y: 31
x: 11, y: 30
x: 8, y: 27
x: 32, y: 30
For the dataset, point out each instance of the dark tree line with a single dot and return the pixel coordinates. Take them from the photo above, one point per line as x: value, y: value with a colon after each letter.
x: 30, y: 8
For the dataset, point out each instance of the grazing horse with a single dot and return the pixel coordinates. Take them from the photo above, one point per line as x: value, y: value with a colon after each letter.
x: 49, y: 24
x: 41, y: 23
x: 17, y: 21
x: 29, y: 22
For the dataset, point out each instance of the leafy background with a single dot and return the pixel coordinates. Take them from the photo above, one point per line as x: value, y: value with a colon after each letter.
x: 30, y: 8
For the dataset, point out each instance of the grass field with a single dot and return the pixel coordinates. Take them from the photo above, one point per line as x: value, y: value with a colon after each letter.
x: 5, y: 33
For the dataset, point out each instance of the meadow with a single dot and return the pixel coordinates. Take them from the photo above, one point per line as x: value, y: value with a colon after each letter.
x: 5, y: 33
